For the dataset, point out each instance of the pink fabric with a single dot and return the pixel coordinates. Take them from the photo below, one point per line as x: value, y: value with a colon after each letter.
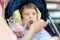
x: 6, y: 2
x: 3, y: 3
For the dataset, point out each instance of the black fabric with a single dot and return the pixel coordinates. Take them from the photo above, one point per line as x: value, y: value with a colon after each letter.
x: 47, y: 28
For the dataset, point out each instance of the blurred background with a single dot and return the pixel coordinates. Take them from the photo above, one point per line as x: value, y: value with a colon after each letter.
x: 54, y: 12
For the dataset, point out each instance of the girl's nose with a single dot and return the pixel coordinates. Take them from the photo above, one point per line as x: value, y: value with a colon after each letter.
x: 30, y: 16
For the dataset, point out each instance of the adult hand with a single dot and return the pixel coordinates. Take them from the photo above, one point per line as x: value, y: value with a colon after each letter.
x: 38, y: 26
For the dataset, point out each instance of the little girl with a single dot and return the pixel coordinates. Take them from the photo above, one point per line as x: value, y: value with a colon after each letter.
x: 30, y: 13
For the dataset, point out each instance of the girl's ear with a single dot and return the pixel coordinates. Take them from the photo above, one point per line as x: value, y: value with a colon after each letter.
x: 17, y: 17
x: 39, y: 14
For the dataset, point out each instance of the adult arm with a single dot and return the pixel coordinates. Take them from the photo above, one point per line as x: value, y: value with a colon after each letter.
x: 5, y: 32
x: 35, y: 28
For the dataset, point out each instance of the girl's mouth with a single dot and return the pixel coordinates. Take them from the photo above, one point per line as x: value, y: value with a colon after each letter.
x: 31, y: 22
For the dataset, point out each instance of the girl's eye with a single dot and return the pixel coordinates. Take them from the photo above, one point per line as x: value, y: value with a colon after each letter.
x: 26, y: 14
x: 34, y: 13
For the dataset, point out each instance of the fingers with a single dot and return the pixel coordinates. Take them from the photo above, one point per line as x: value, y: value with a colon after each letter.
x: 45, y: 24
x: 38, y: 25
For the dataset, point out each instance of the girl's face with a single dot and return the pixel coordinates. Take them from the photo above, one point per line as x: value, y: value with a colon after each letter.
x: 29, y: 14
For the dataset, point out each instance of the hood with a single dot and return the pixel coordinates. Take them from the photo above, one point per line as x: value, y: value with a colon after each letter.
x: 16, y: 4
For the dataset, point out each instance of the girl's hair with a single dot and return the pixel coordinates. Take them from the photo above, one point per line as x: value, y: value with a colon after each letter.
x: 29, y: 5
